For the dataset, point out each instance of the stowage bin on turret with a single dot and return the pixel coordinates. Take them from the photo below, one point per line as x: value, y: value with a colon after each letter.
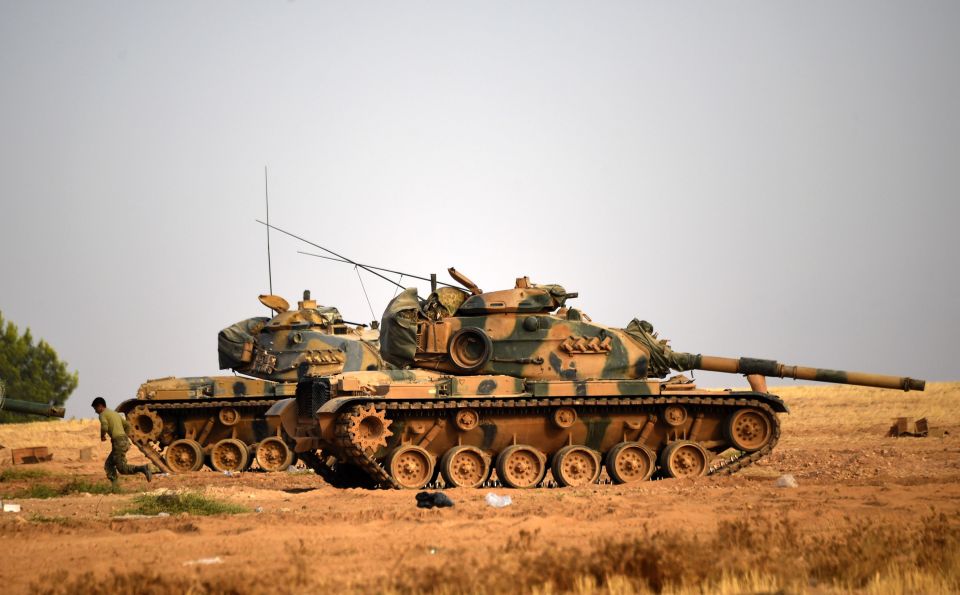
x: 520, y: 384
x: 180, y: 423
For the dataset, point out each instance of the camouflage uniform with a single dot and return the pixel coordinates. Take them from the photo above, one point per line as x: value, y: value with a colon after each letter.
x: 116, y: 427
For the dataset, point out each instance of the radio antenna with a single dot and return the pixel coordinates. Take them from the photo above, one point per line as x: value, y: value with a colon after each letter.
x: 266, y: 194
x: 331, y: 252
x: 370, y: 266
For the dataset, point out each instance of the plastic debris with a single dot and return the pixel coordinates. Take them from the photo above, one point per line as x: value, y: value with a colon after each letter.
x: 258, y: 509
x: 435, y: 499
x: 498, y: 501
x: 204, y: 562
x: 11, y: 507
x: 786, y: 481
x: 136, y: 517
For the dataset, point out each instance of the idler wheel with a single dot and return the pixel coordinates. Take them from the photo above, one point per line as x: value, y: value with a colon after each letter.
x: 465, y: 467
x: 184, y: 455
x: 229, y: 454
x: 410, y: 466
x: 470, y: 348
x: 273, y: 454
x: 145, y: 424
x: 684, y: 458
x: 575, y: 465
x: 368, y: 428
x: 749, y: 430
x: 521, y: 466
x: 630, y: 461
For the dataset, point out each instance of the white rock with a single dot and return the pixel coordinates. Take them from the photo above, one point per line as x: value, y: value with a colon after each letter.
x: 786, y: 481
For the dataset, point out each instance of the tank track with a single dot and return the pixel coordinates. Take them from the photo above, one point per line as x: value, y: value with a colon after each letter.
x: 152, y: 455
x: 204, y: 404
x: 314, y: 461
x: 382, y: 478
x: 358, y: 456
x: 355, y: 477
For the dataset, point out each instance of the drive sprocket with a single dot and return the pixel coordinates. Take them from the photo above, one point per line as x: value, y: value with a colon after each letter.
x: 145, y: 424
x: 368, y: 428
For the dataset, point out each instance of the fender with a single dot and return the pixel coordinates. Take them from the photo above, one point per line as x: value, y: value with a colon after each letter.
x: 775, y: 402
x: 282, y: 414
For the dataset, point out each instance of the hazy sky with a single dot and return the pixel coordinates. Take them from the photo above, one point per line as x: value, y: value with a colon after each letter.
x: 770, y: 179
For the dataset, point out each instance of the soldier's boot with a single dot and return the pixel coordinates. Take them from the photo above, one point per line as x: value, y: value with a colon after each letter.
x: 115, y: 484
x: 145, y: 469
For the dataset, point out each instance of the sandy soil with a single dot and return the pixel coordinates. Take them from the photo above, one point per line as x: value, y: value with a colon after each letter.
x: 833, y: 443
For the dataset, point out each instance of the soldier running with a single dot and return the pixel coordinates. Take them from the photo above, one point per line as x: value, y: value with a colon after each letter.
x: 116, y: 427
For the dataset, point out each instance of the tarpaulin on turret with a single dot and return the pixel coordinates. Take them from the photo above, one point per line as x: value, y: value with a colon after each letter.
x: 662, y: 357
x: 231, y: 340
x: 398, y: 329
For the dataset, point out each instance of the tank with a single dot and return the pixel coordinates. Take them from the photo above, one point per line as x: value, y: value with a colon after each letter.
x: 518, y: 386
x: 182, y: 423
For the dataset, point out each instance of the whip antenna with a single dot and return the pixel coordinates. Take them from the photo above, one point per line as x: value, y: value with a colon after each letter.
x: 328, y: 251
x: 266, y: 194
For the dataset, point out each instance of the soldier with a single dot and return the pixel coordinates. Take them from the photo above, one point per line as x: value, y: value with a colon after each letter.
x: 116, y: 427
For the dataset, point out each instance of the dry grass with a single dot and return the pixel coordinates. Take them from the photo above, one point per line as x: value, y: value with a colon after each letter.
x: 743, y: 556
x: 829, y: 407
x: 759, y: 555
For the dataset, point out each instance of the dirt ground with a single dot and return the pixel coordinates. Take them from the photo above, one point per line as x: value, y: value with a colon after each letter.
x: 300, y: 534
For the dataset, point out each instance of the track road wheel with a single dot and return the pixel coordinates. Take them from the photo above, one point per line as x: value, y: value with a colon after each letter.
x: 410, y: 466
x: 627, y: 462
x: 575, y: 465
x: 684, y: 458
x: 749, y: 430
x: 184, y: 455
x: 145, y: 424
x: 521, y: 466
x: 465, y: 467
x: 273, y: 454
x: 229, y: 454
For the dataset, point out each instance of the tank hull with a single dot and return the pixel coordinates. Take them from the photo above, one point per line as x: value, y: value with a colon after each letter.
x: 412, y: 428
x: 182, y: 424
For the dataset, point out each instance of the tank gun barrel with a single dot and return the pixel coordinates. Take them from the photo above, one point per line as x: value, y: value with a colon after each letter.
x: 30, y: 407
x: 770, y: 368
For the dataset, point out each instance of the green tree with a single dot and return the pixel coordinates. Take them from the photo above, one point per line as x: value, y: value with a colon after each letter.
x: 31, y: 371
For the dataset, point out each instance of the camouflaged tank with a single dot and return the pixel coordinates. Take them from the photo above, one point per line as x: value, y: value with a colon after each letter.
x: 181, y: 423
x: 517, y: 384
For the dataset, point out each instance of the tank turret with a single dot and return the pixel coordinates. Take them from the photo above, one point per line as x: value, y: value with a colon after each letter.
x: 182, y: 423
x: 530, y: 332
x: 310, y: 341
